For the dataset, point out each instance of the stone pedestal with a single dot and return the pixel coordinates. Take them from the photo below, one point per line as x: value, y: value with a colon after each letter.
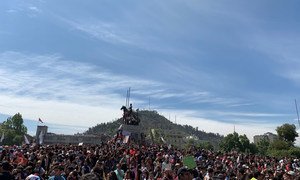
x: 136, y: 135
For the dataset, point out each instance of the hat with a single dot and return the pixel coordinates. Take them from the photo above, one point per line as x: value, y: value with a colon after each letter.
x: 181, y: 171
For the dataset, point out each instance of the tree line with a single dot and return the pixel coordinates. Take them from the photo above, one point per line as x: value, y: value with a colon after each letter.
x: 283, y: 145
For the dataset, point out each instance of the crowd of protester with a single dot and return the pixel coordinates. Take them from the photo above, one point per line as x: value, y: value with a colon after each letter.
x: 117, y: 161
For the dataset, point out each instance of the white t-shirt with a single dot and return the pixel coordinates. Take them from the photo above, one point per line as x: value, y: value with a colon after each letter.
x: 33, y: 177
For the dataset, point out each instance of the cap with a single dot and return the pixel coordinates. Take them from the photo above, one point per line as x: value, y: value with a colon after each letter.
x: 182, y: 170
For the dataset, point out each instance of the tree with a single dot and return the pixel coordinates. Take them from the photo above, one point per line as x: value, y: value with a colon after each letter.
x: 236, y: 142
x: 205, y: 145
x: 287, y: 132
x: 13, y: 129
x: 230, y: 142
x: 279, y: 144
x: 263, y: 145
x: 244, y: 143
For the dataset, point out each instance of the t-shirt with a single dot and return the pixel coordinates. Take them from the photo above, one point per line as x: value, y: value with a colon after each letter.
x: 33, y: 177
x: 120, y: 174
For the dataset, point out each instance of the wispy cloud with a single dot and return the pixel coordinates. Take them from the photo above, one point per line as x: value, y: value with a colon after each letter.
x: 104, y: 31
x: 50, y: 85
x: 34, y: 9
x: 54, y: 78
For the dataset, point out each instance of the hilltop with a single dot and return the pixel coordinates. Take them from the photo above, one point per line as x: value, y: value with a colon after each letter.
x: 153, y: 120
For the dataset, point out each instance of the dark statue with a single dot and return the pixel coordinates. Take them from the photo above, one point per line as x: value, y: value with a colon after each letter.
x: 129, y: 116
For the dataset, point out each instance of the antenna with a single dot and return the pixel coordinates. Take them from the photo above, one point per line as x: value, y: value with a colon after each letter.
x: 127, y: 98
x: 297, y: 111
x: 149, y: 103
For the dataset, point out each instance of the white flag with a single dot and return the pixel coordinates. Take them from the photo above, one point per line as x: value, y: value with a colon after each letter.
x: 41, y: 137
x: 2, y: 137
x: 163, y: 140
x: 26, y: 139
x: 126, y: 139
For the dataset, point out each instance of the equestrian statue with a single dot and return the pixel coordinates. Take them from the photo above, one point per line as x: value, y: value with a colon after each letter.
x: 130, y: 117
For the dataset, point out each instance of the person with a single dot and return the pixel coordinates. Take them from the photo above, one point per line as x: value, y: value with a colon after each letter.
x: 38, y: 167
x: 119, y: 172
x: 34, y: 175
x: 112, y: 176
x: 73, y: 175
x: 130, y: 109
x: 57, y: 173
x: 184, y: 174
x: 6, y: 171
x: 209, y: 173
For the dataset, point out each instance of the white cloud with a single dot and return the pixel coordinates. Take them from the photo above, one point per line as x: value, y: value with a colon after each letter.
x: 34, y: 9
x: 57, y: 112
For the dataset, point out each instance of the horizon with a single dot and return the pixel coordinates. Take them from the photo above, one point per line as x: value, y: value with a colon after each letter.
x: 211, y: 65
x: 65, y: 129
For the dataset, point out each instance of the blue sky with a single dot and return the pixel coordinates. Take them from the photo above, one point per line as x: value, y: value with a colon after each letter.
x: 210, y: 64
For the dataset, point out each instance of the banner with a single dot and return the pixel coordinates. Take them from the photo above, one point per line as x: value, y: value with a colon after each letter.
x: 189, y: 162
x: 26, y: 139
x: 126, y: 139
x: 41, y: 137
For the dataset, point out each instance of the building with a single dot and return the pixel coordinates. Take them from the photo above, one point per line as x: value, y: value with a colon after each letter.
x: 269, y: 136
x: 44, y: 137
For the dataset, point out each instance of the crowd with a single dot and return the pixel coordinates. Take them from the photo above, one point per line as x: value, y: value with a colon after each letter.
x: 118, y: 161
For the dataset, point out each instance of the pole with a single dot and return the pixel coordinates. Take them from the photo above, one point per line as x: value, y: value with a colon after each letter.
x: 128, y: 97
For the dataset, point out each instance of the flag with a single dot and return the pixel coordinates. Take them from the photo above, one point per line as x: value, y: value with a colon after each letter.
x: 126, y: 139
x: 26, y: 139
x: 2, y: 137
x: 40, y: 120
x: 41, y: 137
x: 163, y: 140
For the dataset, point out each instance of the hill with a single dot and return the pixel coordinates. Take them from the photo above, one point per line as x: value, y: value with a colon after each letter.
x: 152, y: 120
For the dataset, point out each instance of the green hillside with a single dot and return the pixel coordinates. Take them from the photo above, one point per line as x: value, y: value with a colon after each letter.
x: 152, y: 120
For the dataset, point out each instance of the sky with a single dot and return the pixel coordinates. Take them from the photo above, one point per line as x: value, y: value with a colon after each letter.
x: 216, y: 65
